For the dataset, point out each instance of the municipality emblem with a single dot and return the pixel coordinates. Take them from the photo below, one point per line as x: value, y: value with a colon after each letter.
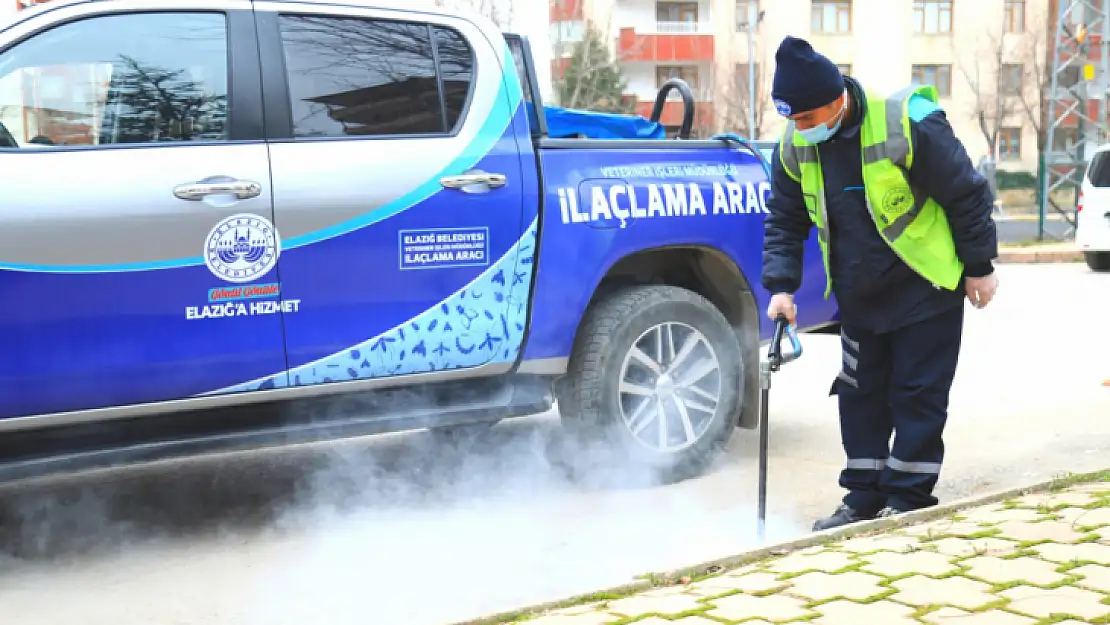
x: 783, y: 108
x: 242, y: 248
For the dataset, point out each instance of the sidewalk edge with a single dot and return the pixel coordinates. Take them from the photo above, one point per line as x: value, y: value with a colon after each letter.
x: 654, y: 580
x: 871, y: 527
x: 1018, y: 255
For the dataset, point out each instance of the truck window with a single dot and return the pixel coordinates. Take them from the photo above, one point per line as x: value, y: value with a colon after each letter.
x: 1099, y: 172
x: 136, y: 78
x: 516, y: 48
x: 369, y: 77
x: 456, y: 69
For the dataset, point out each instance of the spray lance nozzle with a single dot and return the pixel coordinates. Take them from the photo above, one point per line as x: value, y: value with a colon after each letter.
x: 775, y: 359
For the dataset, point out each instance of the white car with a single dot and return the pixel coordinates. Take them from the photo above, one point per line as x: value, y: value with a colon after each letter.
x: 1092, y: 229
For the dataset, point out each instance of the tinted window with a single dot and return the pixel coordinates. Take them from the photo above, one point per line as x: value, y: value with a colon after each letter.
x: 1099, y: 171
x: 138, y: 78
x: 359, y: 77
x: 456, y: 68
x: 516, y: 48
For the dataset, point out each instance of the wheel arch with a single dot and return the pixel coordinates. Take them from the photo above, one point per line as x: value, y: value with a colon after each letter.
x: 715, y: 276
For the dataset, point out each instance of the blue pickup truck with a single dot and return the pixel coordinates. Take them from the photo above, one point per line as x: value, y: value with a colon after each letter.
x: 344, y: 220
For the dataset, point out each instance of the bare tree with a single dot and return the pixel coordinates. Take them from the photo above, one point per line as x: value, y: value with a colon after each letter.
x: 588, y: 71
x: 735, y: 101
x: 996, y: 86
x: 1037, y: 81
x: 591, y: 78
x: 501, y: 12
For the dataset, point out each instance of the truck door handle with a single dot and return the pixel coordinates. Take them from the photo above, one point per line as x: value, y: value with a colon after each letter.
x: 217, y: 185
x: 492, y: 181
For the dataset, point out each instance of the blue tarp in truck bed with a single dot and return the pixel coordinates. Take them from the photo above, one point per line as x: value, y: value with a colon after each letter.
x: 566, y: 123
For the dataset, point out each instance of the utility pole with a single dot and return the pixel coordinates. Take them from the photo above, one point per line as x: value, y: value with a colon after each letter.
x: 755, y: 16
x: 1079, y: 74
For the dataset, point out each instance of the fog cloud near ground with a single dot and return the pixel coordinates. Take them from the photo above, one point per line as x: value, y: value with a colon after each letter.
x: 399, y: 529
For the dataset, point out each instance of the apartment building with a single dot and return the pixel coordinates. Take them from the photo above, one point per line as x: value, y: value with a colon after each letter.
x: 983, y: 56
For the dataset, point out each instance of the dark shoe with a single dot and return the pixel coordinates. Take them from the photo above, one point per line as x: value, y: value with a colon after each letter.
x: 888, y: 512
x: 843, y: 516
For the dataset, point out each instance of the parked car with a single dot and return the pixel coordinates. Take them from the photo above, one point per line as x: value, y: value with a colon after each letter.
x: 1092, y: 227
x: 274, y: 202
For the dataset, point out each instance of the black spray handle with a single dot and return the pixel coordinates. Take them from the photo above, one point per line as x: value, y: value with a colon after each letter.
x: 774, y: 353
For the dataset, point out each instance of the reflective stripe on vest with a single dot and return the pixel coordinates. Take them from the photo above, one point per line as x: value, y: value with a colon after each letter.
x: 896, y: 147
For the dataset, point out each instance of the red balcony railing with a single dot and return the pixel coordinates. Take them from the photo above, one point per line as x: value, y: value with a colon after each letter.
x: 565, y: 10
x: 662, y: 48
x: 673, y: 111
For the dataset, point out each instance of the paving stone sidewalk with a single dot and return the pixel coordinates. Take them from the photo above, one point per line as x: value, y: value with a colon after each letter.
x: 1037, y: 560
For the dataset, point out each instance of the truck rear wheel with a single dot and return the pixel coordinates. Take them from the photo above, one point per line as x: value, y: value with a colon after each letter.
x: 1098, y: 261
x: 654, y: 381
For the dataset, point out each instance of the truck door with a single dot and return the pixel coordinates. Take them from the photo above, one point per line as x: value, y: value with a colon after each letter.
x: 398, y: 193
x: 136, y: 206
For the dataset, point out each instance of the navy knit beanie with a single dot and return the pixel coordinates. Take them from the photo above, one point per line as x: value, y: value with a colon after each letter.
x: 804, y: 79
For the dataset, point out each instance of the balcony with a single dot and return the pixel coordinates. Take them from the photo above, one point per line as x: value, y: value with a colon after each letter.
x: 689, y: 43
x: 682, y: 28
x: 673, y: 111
x: 565, y: 11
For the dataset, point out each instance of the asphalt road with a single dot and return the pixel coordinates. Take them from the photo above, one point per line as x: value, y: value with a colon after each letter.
x: 1024, y: 229
x: 397, y: 530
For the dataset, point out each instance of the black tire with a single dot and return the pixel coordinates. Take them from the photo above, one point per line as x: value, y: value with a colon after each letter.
x: 590, y: 401
x: 1098, y: 261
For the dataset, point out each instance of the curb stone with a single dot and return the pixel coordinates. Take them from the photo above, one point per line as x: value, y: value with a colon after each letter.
x: 712, y: 567
x: 1033, y: 255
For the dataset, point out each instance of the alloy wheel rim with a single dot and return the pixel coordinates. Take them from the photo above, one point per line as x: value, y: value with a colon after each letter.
x: 670, y: 387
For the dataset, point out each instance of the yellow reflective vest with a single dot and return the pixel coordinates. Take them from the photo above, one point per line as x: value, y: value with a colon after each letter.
x: 912, y: 224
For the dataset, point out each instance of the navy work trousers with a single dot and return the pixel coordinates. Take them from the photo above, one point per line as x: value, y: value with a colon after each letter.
x: 898, y: 383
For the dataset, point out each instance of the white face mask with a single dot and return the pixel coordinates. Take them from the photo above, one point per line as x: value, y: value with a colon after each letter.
x: 823, y: 132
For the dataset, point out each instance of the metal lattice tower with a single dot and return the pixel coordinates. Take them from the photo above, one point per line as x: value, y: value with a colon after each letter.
x: 1077, y: 97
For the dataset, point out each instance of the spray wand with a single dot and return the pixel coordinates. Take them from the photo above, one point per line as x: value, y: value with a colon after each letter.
x: 775, y: 359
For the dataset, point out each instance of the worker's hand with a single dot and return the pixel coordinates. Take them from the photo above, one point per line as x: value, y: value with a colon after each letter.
x: 981, y: 290
x: 783, y: 304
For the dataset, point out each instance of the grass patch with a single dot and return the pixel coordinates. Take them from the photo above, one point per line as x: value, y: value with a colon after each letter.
x: 1067, y: 479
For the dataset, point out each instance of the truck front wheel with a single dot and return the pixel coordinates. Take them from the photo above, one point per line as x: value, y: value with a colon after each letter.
x: 654, y: 384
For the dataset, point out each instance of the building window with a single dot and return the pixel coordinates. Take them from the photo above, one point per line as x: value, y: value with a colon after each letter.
x: 1065, y: 139
x: 831, y: 17
x: 845, y: 68
x: 940, y: 76
x: 688, y: 73
x: 742, y: 9
x: 741, y: 74
x: 572, y: 31
x: 1014, y: 19
x: 1010, y: 78
x: 676, y: 11
x: 1070, y: 76
x: 1009, y: 144
x: 932, y: 17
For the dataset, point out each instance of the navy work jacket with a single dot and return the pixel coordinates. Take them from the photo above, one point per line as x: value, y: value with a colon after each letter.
x: 876, y: 290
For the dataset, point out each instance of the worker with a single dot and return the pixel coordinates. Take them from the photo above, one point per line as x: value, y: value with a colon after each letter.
x: 905, y: 230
